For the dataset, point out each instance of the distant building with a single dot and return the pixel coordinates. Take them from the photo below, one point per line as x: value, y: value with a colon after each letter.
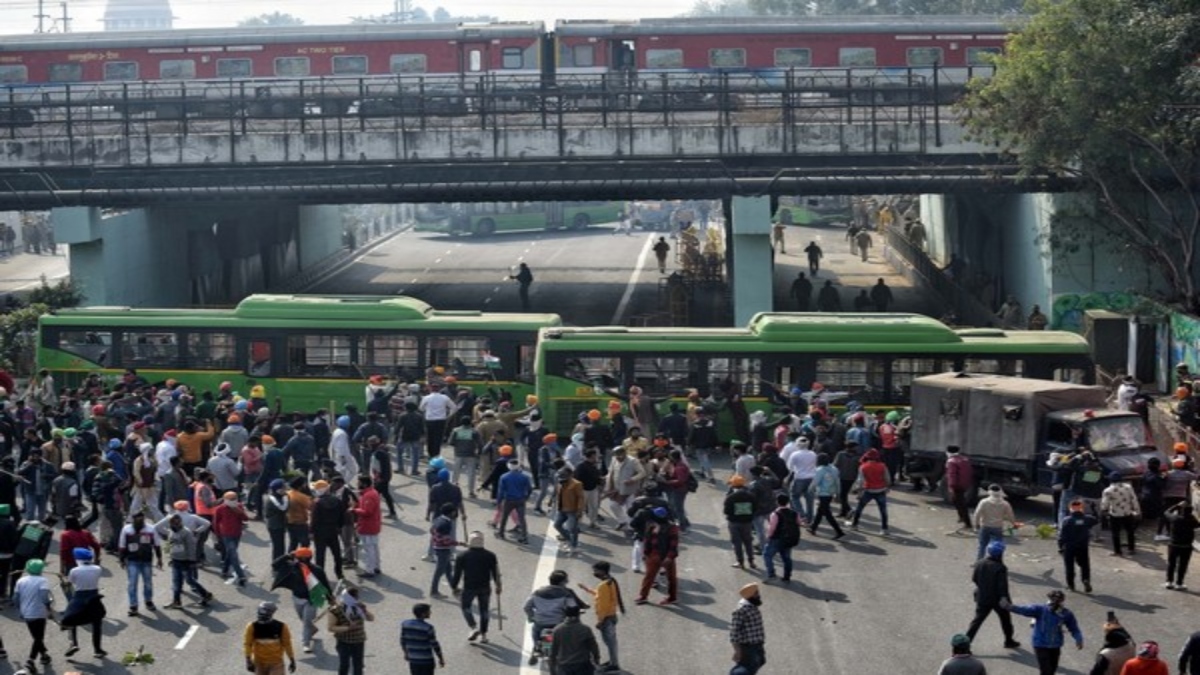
x: 138, y: 15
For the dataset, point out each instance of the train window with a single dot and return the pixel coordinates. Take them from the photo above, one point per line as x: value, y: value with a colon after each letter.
x: 181, y: 69
x: 234, y: 68
x: 408, y: 64
x: 320, y: 356
x: 727, y: 58
x: 292, y: 66
x: 349, y: 65
x: 925, y: 56
x: 120, y: 71
x: 664, y: 58
x: 91, y: 345
x: 856, y: 57
x: 982, y: 56
x: 512, y: 58
x: 65, y: 72
x: 583, y: 56
x: 14, y: 74
x: 150, y: 349
x: 793, y: 57
x: 389, y: 351
x: 211, y: 350
x: 745, y: 372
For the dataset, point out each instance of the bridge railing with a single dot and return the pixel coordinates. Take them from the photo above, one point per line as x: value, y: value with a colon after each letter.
x: 487, y: 101
x: 967, y: 309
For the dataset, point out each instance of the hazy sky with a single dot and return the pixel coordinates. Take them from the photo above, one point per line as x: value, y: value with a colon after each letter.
x: 17, y: 16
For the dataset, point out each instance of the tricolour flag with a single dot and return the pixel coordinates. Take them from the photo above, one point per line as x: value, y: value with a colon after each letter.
x: 490, y: 360
x: 318, y: 595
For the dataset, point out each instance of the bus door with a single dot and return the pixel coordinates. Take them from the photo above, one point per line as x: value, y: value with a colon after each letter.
x: 473, y: 57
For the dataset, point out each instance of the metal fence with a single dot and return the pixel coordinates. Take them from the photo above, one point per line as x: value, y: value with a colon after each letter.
x: 967, y: 309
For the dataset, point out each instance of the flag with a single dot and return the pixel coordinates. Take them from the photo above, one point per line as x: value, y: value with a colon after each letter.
x: 318, y: 595
x: 491, y: 361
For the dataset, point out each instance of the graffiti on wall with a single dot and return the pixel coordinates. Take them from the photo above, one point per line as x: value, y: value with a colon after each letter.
x: 1069, y: 308
x: 1185, y: 340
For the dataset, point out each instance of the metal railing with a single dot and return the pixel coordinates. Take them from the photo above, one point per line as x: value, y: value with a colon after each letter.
x: 967, y: 309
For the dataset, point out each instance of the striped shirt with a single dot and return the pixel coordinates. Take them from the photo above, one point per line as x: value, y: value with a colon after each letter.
x: 418, y: 639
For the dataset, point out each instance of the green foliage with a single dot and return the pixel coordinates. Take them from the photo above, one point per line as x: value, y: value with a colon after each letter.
x: 18, y: 338
x: 1105, y: 90
x: 272, y: 19
x: 63, y: 294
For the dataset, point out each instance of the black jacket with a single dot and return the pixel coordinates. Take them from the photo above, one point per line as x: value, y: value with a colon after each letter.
x: 329, y: 514
x: 740, y: 506
x: 991, y: 582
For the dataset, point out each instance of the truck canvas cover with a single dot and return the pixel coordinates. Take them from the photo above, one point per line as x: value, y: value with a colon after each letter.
x: 991, y: 415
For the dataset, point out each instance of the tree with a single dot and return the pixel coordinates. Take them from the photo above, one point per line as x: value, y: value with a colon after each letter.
x: 273, y: 19
x: 1107, y: 91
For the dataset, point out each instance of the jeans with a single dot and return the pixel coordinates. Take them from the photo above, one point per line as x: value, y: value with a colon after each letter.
x: 435, y: 430
x: 350, y: 657
x: 567, y: 525
x: 608, y: 633
x: 981, y: 614
x: 760, y: 530
x: 443, y: 567
x: 704, y: 455
x: 825, y: 510
x: 880, y: 498
x: 1178, y: 558
x: 959, y: 499
x: 185, y: 572
x: 1119, y: 524
x: 230, y: 560
x: 1077, y: 555
x: 677, y: 498
x: 298, y: 536
x: 134, y: 570
x: 308, y: 617
x: 37, y: 630
x: 844, y: 497
x: 35, y: 504
x: 277, y: 543
x: 507, y: 507
x: 799, y: 493
x: 413, y: 450
x: 471, y: 466
x: 549, y: 489
x: 469, y: 597
x: 742, y: 537
x: 986, y: 536
x: 1047, y: 658
x: 784, y: 552
x: 333, y: 544
x: 754, y: 657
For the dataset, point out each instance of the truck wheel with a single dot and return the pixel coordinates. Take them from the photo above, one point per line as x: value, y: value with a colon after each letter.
x: 485, y: 227
x: 580, y: 221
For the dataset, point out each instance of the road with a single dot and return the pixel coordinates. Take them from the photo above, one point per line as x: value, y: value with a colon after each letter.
x: 864, y: 605
x: 591, y: 277
x: 23, y: 272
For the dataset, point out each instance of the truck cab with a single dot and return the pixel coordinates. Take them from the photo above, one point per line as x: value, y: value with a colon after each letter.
x: 1117, y: 438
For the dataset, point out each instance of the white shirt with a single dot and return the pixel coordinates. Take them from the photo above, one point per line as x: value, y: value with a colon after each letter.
x: 1125, y: 394
x: 163, y: 454
x: 342, y: 457
x: 743, y: 465
x: 86, y: 577
x: 803, y: 464
x: 437, y: 407
x: 787, y: 450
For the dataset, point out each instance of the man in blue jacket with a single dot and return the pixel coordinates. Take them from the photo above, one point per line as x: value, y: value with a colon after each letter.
x: 512, y: 493
x: 1049, y: 621
x: 1074, y: 533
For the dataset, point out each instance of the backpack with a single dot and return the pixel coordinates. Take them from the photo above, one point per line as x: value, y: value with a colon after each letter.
x: 787, y: 530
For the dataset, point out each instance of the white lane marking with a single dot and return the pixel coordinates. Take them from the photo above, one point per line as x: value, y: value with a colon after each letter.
x: 437, y: 261
x: 633, y: 279
x: 413, y: 281
x: 546, y: 564
x: 187, y: 637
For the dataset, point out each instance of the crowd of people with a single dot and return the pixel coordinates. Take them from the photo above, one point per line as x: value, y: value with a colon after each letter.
x: 167, y: 474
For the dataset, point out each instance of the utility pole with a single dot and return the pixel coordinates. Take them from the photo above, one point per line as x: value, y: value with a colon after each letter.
x: 41, y: 16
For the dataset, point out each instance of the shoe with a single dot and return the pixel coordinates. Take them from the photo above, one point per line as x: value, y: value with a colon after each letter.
x: 885, y: 533
x: 740, y: 566
x: 45, y: 659
x: 208, y: 597
x: 3, y: 654
x: 771, y: 576
x: 641, y: 601
x: 1087, y: 587
x: 522, y: 541
x: 99, y: 654
x: 539, y: 512
x: 533, y: 659
x: 308, y: 647
x: 242, y: 582
x: 1180, y: 587
x: 483, y: 639
x: 1070, y: 587
x: 812, y: 532
x: 150, y: 606
x: 1169, y: 586
x: 133, y: 611
x: 31, y: 666
x: 1011, y: 644
x: 71, y: 651
x: 786, y: 580
x: 839, y: 535
x: 753, y: 566
x: 1161, y: 537
x: 426, y: 558
x: 174, y: 605
x: 638, y: 570
x: 435, y: 594
x: 473, y: 636
x: 666, y: 602
x: 469, y: 494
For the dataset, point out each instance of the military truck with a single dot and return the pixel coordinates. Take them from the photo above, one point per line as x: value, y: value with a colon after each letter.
x: 1009, y: 426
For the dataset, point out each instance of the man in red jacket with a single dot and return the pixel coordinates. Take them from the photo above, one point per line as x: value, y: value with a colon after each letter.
x: 874, y: 481
x: 229, y: 520
x: 369, y: 524
x: 959, y: 480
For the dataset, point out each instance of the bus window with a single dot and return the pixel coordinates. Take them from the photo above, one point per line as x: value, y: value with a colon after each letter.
x: 92, y: 345
x: 604, y: 371
x: 389, y: 351
x: 150, y: 350
x: 1012, y: 367
x: 320, y: 356
x: 745, y: 371
x: 258, y: 362
x: 905, y: 370
x: 211, y: 350
x: 1072, y: 375
x: 862, y: 378
x: 665, y: 374
x: 526, y: 357
x: 462, y: 356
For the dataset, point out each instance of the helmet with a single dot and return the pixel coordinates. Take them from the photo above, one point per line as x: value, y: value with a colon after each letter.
x: 893, y: 416
x: 343, y: 421
x: 443, y: 474
x: 995, y: 549
x: 437, y: 463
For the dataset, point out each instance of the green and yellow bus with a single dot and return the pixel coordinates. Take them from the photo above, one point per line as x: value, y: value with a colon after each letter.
x: 871, y: 358
x: 310, y: 350
x: 486, y: 218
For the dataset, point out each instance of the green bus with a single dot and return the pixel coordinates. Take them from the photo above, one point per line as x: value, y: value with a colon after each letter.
x: 485, y: 218
x: 310, y: 350
x: 871, y: 358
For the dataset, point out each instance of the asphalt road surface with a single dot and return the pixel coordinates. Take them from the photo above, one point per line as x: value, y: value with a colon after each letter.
x: 863, y: 605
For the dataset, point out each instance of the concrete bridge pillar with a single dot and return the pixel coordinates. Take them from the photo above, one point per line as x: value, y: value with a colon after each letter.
x: 751, y: 259
x: 196, y: 254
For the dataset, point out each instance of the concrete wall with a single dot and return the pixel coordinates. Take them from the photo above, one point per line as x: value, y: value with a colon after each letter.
x: 320, y: 233
x: 752, y: 258
x: 291, y: 146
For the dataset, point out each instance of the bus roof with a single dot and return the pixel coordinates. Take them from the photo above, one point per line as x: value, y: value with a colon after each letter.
x: 783, y: 332
x: 316, y: 311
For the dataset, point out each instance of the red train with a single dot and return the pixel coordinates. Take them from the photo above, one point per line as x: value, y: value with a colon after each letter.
x: 199, y: 71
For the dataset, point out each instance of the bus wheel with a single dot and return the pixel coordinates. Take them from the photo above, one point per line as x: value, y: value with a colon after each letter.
x: 485, y: 226
x: 580, y: 221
